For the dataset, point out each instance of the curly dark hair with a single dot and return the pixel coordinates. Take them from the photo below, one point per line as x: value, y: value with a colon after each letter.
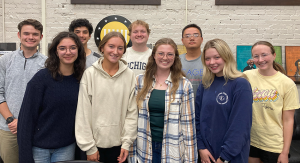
x: 81, y: 23
x: 52, y: 63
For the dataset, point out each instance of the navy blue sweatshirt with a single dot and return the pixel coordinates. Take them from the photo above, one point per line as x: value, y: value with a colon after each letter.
x: 47, y: 115
x: 224, y: 119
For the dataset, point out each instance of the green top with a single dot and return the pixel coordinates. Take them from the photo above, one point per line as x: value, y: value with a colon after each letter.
x: 157, y: 111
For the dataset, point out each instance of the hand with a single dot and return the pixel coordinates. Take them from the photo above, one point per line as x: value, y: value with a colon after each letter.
x: 219, y: 161
x: 123, y: 155
x: 94, y: 157
x: 13, y: 126
x: 283, y: 158
x: 206, y: 156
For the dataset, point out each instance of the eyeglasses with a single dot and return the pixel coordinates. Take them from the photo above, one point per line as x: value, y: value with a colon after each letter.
x: 190, y: 35
x: 256, y: 57
x: 72, y: 49
x: 169, y: 55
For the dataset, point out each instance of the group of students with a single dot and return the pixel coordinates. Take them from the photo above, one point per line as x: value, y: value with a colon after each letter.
x: 114, y: 114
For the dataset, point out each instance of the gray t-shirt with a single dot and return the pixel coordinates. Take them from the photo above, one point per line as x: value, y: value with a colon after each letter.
x: 193, y: 70
x: 90, y: 59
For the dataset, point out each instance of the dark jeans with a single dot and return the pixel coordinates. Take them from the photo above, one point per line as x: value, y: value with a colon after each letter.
x: 79, y: 154
x: 110, y: 155
x: 156, y: 152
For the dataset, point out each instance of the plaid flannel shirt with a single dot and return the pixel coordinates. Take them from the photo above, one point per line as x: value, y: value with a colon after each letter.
x: 179, y: 134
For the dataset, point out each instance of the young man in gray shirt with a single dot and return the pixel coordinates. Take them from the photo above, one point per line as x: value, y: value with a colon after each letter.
x: 16, y: 69
x: 191, y: 61
x: 84, y: 29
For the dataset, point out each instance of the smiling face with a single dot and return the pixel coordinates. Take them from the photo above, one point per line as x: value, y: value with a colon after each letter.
x: 192, y: 41
x: 67, y: 51
x: 263, y: 58
x: 164, y: 57
x: 139, y: 35
x: 29, y: 37
x: 214, y: 62
x: 113, y: 50
x: 83, y: 34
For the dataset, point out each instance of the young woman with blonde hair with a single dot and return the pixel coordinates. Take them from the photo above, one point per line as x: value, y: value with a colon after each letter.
x: 275, y: 98
x: 223, y: 107
x: 106, y: 117
x: 166, y: 124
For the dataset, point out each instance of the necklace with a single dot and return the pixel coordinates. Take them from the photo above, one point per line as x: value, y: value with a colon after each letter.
x: 160, y: 84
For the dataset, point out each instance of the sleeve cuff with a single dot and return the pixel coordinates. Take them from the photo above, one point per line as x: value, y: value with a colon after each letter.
x: 125, y: 146
x: 225, y: 156
x: 200, y: 145
x: 1, y: 101
x: 91, y: 151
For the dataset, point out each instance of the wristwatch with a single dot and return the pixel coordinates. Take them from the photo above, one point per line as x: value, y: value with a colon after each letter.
x: 225, y: 161
x: 10, y: 119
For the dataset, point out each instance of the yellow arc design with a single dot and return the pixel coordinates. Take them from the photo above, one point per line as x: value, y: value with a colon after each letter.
x: 115, y: 26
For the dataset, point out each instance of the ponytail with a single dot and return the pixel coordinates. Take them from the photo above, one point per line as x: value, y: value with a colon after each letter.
x: 278, y: 67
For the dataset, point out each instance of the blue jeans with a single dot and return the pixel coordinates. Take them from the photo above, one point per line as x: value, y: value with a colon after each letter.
x: 41, y: 155
x: 156, y: 151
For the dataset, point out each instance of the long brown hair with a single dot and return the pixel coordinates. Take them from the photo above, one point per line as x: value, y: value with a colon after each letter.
x: 151, y: 67
x: 53, y: 62
x: 229, y: 71
x: 276, y: 66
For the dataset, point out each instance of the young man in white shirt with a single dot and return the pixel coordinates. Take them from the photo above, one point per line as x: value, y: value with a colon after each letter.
x: 137, y: 55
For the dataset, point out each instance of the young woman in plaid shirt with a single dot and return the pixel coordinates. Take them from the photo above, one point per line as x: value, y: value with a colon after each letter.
x: 166, y: 123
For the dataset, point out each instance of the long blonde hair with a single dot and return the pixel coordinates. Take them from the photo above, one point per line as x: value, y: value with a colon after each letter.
x: 229, y: 70
x: 151, y: 67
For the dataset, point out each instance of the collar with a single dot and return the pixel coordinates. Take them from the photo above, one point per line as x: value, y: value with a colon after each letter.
x: 167, y: 81
x: 21, y: 52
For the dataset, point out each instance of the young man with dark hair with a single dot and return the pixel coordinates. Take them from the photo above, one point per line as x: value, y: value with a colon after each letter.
x: 84, y: 29
x: 16, y: 69
x: 137, y: 55
x: 191, y: 61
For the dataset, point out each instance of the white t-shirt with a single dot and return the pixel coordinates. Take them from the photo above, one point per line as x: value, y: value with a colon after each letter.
x: 137, y: 60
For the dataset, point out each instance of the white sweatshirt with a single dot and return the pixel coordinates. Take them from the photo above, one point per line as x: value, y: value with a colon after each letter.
x: 106, y: 112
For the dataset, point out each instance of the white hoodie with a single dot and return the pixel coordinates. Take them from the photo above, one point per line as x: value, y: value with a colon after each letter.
x: 106, y: 112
